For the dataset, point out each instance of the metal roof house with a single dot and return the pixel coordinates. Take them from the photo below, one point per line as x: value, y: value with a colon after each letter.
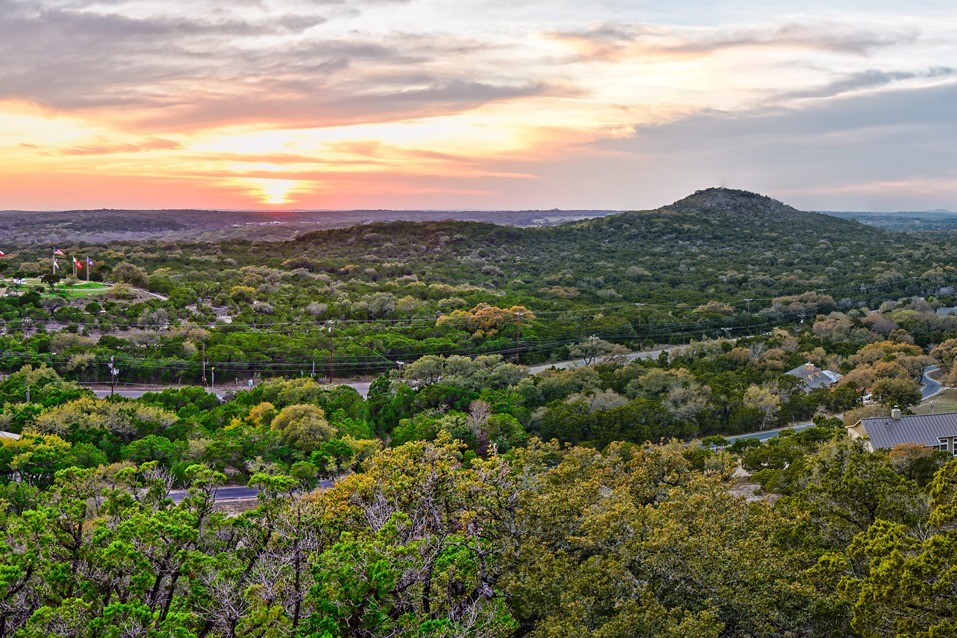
x: 814, y: 377
x: 937, y: 431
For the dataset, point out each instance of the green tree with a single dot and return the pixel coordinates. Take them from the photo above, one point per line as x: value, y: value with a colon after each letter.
x: 127, y: 273
x: 900, y: 393
x: 303, y: 426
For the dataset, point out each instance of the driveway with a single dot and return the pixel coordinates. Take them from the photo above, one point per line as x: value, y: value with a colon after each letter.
x: 929, y: 387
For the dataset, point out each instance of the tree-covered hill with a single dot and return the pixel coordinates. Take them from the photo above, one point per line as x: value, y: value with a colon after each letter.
x: 718, y: 263
x: 716, y: 244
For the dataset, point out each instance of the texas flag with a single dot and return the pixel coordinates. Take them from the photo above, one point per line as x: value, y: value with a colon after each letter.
x: 78, y: 263
x: 2, y: 254
x: 57, y: 252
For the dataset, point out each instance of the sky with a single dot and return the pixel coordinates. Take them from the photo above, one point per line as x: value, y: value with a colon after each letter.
x: 479, y: 104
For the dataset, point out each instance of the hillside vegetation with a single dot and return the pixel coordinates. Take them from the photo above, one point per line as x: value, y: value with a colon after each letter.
x: 718, y: 263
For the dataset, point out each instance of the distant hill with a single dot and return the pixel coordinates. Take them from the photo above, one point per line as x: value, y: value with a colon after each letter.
x: 716, y: 262
x: 99, y: 226
x: 904, y: 221
x: 716, y: 243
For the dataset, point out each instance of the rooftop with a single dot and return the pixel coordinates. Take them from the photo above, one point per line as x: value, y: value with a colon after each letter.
x: 924, y: 429
x: 814, y: 377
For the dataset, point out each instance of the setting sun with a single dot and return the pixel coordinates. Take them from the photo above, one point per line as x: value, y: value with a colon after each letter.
x: 273, y: 191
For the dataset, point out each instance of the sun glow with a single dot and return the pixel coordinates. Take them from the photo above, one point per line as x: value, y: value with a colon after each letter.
x: 274, y: 192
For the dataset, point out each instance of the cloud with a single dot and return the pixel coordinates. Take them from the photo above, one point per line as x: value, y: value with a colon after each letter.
x: 893, y: 150
x: 237, y: 65
x: 650, y: 98
x: 614, y: 43
x: 106, y: 148
x: 863, y: 80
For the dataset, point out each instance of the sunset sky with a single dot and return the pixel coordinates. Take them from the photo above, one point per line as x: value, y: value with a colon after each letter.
x: 484, y: 104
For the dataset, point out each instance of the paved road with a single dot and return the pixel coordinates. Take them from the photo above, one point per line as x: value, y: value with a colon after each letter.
x: 238, y: 492
x: 765, y: 435
x: 929, y: 387
x: 136, y: 394
x: 577, y: 363
x: 362, y: 387
x: 928, y: 390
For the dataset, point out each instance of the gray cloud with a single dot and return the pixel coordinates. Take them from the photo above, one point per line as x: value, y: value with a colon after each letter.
x: 608, y: 42
x: 178, y: 73
x: 870, y: 79
x: 840, y: 154
x: 306, y: 106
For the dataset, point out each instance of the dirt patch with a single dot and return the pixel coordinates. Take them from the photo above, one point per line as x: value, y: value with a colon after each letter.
x: 743, y: 486
x: 235, y: 506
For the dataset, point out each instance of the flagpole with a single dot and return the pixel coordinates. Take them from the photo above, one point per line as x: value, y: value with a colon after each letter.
x: 88, y: 264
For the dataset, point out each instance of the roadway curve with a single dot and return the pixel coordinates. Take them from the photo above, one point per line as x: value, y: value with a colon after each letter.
x: 929, y: 387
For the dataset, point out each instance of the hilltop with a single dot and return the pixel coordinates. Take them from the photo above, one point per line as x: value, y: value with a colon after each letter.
x: 714, y: 243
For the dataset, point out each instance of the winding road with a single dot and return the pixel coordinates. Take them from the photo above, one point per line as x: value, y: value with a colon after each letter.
x: 929, y: 387
x: 362, y: 387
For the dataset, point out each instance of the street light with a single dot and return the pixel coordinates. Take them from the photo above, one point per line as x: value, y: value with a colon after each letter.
x: 212, y: 384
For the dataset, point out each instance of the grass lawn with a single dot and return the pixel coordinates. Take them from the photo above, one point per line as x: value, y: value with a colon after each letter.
x: 85, y: 288
x: 80, y: 289
x: 946, y: 401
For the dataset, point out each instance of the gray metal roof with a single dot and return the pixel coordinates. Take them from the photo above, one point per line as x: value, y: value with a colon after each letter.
x: 885, y: 432
x: 814, y: 377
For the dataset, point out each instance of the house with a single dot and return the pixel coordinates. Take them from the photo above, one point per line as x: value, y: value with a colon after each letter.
x: 938, y: 431
x: 814, y: 377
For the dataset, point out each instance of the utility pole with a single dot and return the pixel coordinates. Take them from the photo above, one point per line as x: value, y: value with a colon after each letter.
x: 638, y: 312
x: 332, y: 351
x: 114, y: 373
x: 518, y: 336
x: 28, y: 392
x: 204, y: 364
x: 212, y: 385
